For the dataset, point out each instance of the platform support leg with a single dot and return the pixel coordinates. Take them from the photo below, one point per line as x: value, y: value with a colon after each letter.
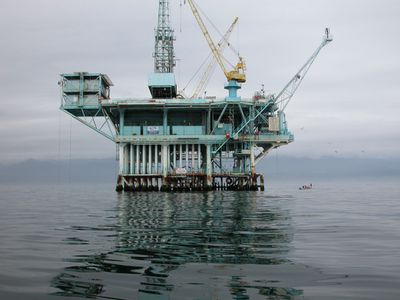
x: 253, y: 180
x: 121, y: 158
x: 164, y: 163
x: 209, y: 167
x: 262, y: 185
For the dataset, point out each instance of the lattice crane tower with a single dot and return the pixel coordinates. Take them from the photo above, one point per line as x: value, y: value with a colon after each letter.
x: 164, y: 58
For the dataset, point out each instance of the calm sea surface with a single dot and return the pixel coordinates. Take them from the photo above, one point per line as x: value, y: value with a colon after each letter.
x: 340, y: 240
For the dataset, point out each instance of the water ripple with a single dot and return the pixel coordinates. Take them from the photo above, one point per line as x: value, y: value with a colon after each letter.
x: 154, y: 235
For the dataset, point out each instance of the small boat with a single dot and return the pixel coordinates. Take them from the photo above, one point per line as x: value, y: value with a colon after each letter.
x: 306, y: 187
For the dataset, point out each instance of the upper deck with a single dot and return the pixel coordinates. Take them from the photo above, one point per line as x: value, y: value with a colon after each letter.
x: 151, y: 121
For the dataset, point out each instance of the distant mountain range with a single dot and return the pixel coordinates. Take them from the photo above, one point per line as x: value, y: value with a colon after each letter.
x: 63, y: 171
x: 329, y: 167
x: 274, y: 167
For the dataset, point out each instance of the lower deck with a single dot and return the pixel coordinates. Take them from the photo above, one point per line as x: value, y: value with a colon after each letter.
x: 196, y: 182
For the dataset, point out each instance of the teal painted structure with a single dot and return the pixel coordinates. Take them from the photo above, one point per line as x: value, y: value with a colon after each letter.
x: 162, y: 85
x: 168, y: 142
x: 164, y: 140
x: 233, y: 87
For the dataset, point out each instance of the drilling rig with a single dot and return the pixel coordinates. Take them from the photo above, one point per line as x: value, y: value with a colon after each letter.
x: 172, y: 143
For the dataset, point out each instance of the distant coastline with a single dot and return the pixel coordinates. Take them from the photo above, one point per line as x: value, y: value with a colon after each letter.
x: 274, y: 168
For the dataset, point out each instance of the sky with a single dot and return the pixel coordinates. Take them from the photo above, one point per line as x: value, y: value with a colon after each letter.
x: 348, y: 105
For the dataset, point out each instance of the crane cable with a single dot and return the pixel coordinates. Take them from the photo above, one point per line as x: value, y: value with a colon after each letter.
x: 220, y: 34
x: 197, y: 72
x: 208, y: 59
x: 180, y: 16
x: 217, y: 30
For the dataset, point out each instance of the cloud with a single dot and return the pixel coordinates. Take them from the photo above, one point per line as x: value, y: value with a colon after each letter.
x: 350, y: 94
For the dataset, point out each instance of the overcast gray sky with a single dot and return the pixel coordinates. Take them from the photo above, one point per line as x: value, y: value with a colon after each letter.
x: 348, y: 105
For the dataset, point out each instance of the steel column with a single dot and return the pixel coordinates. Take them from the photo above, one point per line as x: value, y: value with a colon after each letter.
x: 164, y: 161
x: 192, y: 157
x: 174, y: 154
x: 209, y: 166
x: 150, y: 159
x: 187, y: 157
x: 137, y: 159
x: 180, y: 156
x: 252, y: 161
x: 143, y: 159
x: 199, y: 157
x: 156, y: 158
x: 131, y: 171
x: 121, y: 159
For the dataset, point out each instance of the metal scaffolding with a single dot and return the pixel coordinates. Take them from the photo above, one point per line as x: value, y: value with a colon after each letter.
x: 164, y: 59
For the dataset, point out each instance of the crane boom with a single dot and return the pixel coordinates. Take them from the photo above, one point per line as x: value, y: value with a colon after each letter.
x: 221, y: 45
x: 283, y: 98
x: 235, y: 74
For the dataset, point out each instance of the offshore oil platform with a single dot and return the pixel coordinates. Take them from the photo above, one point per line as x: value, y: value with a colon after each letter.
x: 171, y: 142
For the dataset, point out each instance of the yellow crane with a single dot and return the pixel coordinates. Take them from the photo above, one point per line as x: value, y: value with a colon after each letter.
x: 237, y: 74
x: 210, y: 68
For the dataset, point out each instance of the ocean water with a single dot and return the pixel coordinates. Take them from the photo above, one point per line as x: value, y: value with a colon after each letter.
x: 340, y: 240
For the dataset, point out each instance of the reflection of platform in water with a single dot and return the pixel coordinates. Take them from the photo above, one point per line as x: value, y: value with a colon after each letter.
x: 156, y: 237
x: 222, y: 228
